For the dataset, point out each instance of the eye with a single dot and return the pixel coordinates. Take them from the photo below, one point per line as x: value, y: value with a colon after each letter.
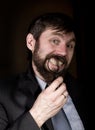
x: 55, y: 41
x: 70, y: 46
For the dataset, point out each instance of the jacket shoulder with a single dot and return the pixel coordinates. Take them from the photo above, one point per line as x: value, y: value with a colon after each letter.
x: 7, y: 85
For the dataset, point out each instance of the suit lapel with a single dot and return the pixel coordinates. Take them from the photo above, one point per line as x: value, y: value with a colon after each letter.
x: 26, y: 91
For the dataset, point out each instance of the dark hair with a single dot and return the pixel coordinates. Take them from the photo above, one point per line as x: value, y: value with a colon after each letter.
x: 57, y: 21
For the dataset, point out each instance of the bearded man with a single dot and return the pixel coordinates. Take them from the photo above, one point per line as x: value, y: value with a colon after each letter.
x: 26, y: 103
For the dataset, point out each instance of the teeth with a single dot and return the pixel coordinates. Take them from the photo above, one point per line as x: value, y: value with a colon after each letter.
x: 60, y: 63
x: 53, y: 61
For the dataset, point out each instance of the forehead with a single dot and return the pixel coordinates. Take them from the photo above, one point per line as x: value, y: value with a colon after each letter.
x: 51, y: 32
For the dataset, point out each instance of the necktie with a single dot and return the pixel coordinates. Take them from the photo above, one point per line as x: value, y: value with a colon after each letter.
x: 60, y: 121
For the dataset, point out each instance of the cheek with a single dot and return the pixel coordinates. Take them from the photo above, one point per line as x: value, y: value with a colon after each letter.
x: 44, y: 51
x: 70, y: 55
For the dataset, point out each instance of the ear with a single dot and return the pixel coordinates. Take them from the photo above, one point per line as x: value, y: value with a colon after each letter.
x: 30, y: 42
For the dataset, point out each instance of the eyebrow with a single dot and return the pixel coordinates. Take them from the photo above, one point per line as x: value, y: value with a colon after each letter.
x: 62, y: 35
x: 57, y: 33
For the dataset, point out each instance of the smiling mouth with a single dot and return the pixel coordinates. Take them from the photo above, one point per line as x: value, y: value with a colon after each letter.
x: 56, y: 62
x: 55, y: 65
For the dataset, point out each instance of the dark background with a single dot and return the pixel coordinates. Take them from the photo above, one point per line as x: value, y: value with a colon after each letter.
x: 15, y: 17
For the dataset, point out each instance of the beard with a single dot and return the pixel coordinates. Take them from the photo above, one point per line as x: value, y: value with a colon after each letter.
x: 43, y: 67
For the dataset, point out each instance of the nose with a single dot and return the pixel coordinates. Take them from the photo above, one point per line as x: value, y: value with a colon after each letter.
x: 62, y: 50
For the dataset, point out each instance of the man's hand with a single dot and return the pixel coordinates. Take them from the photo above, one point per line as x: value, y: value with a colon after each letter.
x: 49, y: 101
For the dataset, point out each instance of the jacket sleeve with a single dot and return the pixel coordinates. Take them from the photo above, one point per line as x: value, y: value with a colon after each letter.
x: 24, y: 122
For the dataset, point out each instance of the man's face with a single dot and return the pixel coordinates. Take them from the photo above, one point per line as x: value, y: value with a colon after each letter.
x: 52, y: 54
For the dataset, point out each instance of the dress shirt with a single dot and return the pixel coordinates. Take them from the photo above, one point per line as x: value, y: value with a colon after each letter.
x: 69, y: 109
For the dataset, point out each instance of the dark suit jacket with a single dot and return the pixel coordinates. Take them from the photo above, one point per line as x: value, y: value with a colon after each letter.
x: 17, y: 96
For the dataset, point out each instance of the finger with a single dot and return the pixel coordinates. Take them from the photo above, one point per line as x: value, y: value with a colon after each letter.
x: 59, y: 102
x: 55, y: 84
x: 65, y: 94
x: 60, y: 90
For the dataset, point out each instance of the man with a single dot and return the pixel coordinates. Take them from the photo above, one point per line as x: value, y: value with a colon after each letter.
x: 25, y: 101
